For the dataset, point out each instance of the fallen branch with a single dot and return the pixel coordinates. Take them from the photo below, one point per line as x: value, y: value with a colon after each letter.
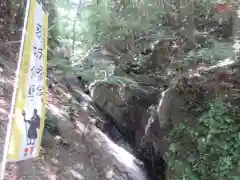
x: 65, y: 17
x: 10, y: 42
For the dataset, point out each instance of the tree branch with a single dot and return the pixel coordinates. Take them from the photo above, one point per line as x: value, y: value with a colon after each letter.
x: 65, y: 17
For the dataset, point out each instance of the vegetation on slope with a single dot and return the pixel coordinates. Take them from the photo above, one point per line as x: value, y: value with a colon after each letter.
x: 210, y: 148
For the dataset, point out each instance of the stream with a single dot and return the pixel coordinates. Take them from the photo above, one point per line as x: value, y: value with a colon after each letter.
x: 154, y: 169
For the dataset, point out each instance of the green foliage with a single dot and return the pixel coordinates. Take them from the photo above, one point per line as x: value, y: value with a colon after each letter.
x: 110, y: 20
x: 89, y: 68
x: 119, y: 81
x: 100, y: 22
x: 204, y: 8
x: 208, y: 150
x: 96, y: 25
x: 94, y: 68
x: 214, y: 52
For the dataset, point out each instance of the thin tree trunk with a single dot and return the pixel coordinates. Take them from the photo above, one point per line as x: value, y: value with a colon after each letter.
x: 74, y: 26
x: 236, y: 31
x: 187, y: 18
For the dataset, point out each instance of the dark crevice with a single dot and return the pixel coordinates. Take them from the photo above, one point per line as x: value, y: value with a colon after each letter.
x: 155, y: 165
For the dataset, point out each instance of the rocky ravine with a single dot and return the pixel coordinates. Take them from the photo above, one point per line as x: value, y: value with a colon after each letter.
x: 68, y: 155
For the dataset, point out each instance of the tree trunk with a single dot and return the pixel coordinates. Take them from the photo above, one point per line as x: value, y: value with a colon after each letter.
x: 187, y: 18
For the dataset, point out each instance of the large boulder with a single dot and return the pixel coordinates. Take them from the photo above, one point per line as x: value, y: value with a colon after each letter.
x: 133, y: 111
x: 125, y: 101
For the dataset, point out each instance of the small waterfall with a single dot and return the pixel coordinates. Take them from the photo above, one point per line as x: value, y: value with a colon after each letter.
x: 127, y: 159
x: 151, y: 110
x: 164, y: 93
x: 163, y: 106
x: 122, y: 161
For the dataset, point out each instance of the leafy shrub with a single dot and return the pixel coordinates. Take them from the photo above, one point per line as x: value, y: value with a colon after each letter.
x: 208, y: 150
x: 51, y: 123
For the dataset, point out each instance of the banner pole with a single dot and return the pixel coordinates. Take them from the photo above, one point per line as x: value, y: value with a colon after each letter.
x: 9, y: 127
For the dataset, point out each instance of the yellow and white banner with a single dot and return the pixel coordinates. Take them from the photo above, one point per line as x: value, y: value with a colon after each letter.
x: 28, y: 111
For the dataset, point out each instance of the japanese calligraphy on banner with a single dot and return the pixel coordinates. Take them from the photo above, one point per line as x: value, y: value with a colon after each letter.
x: 28, y: 111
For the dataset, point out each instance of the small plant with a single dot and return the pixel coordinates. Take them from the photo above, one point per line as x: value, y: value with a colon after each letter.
x: 208, y: 150
x: 51, y: 124
x: 70, y: 107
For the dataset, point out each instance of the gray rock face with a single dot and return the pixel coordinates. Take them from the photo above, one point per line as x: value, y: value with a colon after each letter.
x: 126, y: 104
x: 134, y: 115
